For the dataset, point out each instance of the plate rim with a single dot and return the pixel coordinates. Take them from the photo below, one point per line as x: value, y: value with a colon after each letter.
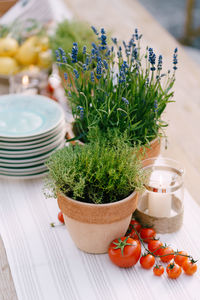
x: 48, y: 100
x: 35, y: 151
x: 42, y: 156
x: 46, y: 142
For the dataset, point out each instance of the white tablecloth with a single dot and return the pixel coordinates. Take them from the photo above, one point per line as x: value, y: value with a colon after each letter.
x: 46, y: 265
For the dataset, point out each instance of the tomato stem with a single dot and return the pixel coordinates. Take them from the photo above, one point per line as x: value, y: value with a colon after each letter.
x: 153, y: 253
x: 121, y: 244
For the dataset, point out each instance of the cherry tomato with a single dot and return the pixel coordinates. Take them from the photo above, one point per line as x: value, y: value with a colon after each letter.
x: 155, y: 246
x: 124, y: 252
x: 131, y: 230
x: 168, y: 252
x: 173, y: 270
x: 60, y: 217
x: 147, y: 234
x: 147, y: 261
x: 135, y: 224
x: 179, y: 259
x: 189, y: 266
x: 158, y: 270
x: 50, y: 88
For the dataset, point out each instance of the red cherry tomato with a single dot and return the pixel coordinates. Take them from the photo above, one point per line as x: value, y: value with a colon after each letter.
x: 124, y: 252
x: 158, y: 270
x: 189, y: 267
x: 60, y: 217
x: 168, y: 252
x: 50, y: 88
x: 147, y: 261
x: 173, y: 270
x: 155, y: 246
x: 147, y: 234
x: 179, y: 259
x: 134, y: 225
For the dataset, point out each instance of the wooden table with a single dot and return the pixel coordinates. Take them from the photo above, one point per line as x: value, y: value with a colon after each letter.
x: 121, y: 17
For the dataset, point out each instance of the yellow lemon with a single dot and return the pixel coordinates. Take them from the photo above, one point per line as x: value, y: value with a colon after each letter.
x: 28, y: 52
x: 8, y: 66
x: 8, y: 46
x: 43, y: 43
x: 44, y: 59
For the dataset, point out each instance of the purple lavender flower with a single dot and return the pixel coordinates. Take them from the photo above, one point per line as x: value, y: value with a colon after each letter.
x: 87, y: 61
x: 99, y: 67
x: 58, y: 59
x: 155, y: 106
x: 152, y: 59
x: 125, y: 100
x: 136, y: 34
x: 74, y: 53
x: 76, y: 73
x: 84, y: 67
x: 84, y: 49
x: 92, y: 76
x: 114, y: 40
x: 94, y: 30
x: 107, y: 53
x: 175, y: 60
x: 80, y: 108
x: 105, y: 64
x: 65, y: 76
x: 134, y: 53
x: 159, y: 67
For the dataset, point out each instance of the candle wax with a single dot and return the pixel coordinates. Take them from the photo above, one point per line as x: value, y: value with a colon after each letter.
x: 159, y: 204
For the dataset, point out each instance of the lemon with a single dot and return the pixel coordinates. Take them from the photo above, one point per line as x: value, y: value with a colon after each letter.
x: 8, y: 66
x: 43, y: 43
x: 8, y: 46
x: 28, y: 52
x: 44, y: 59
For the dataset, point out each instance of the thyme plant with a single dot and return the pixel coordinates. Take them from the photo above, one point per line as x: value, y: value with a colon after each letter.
x: 117, y: 87
x: 103, y: 171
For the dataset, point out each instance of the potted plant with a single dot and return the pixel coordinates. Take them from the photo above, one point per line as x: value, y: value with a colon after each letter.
x: 96, y: 186
x: 126, y: 89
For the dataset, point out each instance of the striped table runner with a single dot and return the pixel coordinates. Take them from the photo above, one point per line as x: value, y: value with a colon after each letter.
x: 46, y: 265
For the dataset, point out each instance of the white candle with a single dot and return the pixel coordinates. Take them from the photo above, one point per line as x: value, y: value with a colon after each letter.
x: 25, y: 81
x: 159, y: 203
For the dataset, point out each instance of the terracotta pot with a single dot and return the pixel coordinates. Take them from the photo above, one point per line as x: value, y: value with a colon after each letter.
x: 93, y: 226
x: 152, y: 151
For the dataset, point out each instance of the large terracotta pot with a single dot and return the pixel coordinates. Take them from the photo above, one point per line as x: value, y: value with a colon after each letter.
x: 149, y: 152
x: 94, y: 226
x: 152, y: 151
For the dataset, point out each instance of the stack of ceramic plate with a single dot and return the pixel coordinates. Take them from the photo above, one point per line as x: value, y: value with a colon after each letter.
x: 31, y: 129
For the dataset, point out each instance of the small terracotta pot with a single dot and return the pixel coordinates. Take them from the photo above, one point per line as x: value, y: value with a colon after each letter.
x: 94, y: 226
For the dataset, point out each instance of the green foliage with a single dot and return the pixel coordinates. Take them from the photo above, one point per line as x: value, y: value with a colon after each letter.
x: 103, y: 171
x: 125, y: 91
x: 68, y: 32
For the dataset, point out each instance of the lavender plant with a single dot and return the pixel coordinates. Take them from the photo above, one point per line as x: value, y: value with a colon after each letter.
x: 118, y: 87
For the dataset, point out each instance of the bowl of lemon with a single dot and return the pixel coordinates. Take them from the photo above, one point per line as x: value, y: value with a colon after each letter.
x: 23, y: 46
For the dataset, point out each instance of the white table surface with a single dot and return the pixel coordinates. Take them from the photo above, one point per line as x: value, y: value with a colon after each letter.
x: 45, y: 263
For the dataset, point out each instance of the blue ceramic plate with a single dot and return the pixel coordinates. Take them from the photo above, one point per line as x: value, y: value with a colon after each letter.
x: 26, y: 153
x: 23, y: 116
x: 24, y: 177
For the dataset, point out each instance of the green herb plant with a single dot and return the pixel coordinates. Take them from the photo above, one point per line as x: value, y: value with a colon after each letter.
x: 68, y: 32
x: 119, y: 87
x: 103, y: 171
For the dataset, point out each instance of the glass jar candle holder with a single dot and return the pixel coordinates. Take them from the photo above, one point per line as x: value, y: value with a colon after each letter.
x: 161, y: 204
x: 30, y: 82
